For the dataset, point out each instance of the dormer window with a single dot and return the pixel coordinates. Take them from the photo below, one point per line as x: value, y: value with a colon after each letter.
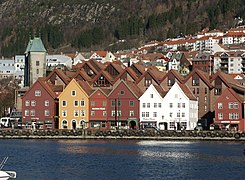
x: 195, y: 82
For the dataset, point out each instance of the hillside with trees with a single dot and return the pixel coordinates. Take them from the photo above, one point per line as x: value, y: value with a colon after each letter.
x: 82, y: 25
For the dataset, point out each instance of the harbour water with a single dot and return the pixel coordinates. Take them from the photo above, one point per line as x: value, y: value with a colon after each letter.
x: 123, y: 159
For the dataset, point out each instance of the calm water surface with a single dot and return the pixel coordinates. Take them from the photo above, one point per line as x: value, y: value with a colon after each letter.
x: 117, y: 159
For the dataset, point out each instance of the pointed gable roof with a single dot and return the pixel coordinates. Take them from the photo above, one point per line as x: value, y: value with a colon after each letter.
x: 85, y: 86
x: 160, y: 90
x: 226, y: 78
x: 83, y: 74
x: 154, y: 73
x: 175, y: 74
x: 60, y: 74
x: 203, y: 76
x: 106, y: 75
x: 187, y: 91
x: 233, y: 93
x: 45, y: 86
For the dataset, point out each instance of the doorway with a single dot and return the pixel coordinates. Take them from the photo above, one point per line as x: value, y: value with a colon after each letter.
x: 132, y: 124
x: 74, y: 124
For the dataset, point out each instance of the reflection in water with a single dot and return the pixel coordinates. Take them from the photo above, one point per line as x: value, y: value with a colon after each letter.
x: 117, y: 159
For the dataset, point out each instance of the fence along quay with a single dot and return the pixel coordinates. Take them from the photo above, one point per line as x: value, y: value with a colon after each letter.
x: 122, y: 134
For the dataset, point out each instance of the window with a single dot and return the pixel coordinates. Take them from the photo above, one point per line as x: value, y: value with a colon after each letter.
x: 178, y: 114
x: 154, y: 114
x: 33, y: 103
x: 27, y: 103
x: 46, y: 113
x: 171, y: 105
x: 113, y: 113
x: 104, y: 113
x: 170, y: 114
x: 178, y: 105
x: 104, y: 103
x: 171, y: 125
x: 197, y: 90
x: 122, y: 92
x: 159, y: 105
x: 64, y: 124
x: 82, y: 103
x: 92, y: 113
x: 183, y: 105
x: 32, y: 112
x: 143, y: 114
x: 119, y: 113
x: 64, y: 103
x: 220, y: 105
x: 131, y: 113
x: 64, y: 113
x: 143, y: 105
x: 151, y: 95
x: 155, y: 105
x: 46, y: 103
x: 220, y: 116
x: 205, y: 90
x: 184, y: 124
x: 37, y: 93
x: 195, y: 82
x: 92, y: 103
x: 113, y: 103
x: 230, y: 104
x: 82, y: 113
x: 205, y: 99
x: 37, y: 71
x: 147, y: 114
x: 183, y: 114
x: 73, y: 93
x: 37, y: 63
x: 236, y: 116
x: 26, y: 112
x: 75, y: 113
x: 75, y: 103
x: 235, y: 105
x: 148, y: 105
x: 131, y: 103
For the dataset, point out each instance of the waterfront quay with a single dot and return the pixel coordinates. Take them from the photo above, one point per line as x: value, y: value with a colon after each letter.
x: 122, y: 134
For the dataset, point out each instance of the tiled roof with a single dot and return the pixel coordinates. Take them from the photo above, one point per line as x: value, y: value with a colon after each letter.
x: 134, y: 88
x: 86, y: 87
x: 160, y: 90
x: 187, y: 91
x: 35, y: 45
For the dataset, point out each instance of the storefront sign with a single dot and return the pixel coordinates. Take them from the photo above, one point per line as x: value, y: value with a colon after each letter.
x: 98, y: 109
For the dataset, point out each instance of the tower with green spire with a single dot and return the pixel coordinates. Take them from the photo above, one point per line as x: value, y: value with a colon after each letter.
x: 35, y: 61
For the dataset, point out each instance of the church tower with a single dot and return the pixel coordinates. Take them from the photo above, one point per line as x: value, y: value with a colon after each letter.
x: 35, y: 61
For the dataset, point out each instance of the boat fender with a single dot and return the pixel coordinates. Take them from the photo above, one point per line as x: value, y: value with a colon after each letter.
x: 199, y: 134
x: 80, y: 132
x: 212, y: 135
x: 97, y: 133
x: 183, y: 133
x: 23, y: 133
x: 75, y: 133
x: 89, y: 133
x: 217, y: 134
x: 194, y: 134
x: 104, y: 133
x: 179, y: 134
x: 28, y: 133
x: 243, y: 134
x: 52, y: 133
x: 109, y: 133
x: 8, y: 133
x: 230, y: 135
x: 48, y: 132
x: 64, y: 132
x: 226, y: 134
x: 3, y: 133
x: 11, y: 133
x: 221, y: 135
x: 190, y: 134
x: 204, y: 135
x: 237, y: 136
x: 101, y: 133
x: 121, y: 134
x: 209, y: 134
x: 34, y: 133
x: 56, y: 132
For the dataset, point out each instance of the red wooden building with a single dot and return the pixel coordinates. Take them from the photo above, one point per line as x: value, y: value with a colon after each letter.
x: 229, y: 110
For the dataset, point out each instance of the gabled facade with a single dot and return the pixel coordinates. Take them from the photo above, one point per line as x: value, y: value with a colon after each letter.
x: 229, y: 110
x: 123, y: 105
x: 180, y: 108
x: 74, y: 106
x: 170, y: 78
x: 98, y: 110
x: 203, y: 61
x: 151, y: 108
x: 40, y: 107
x: 198, y: 82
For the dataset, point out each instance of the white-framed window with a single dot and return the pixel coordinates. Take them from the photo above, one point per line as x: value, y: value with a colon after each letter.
x: 32, y: 112
x: 236, y: 116
x: 148, y: 105
x: 151, y: 95
x: 119, y: 113
x: 159, y: 105
x: 64, y: 124
x: 230, y: 104
x: 37, y: 93
x: 113, y: 113
x: 183, y: 114
x: 64, y: 103
x: 82, y: 113
x: 64, y: 113
x: 143, y: 114
x: 73, y: 92
x: 183, y: 105
x: 171, y: 125
x: 147, y: 114
x: 179, y: 104
x: 143, y: 105
x: 46, y: 102
x: 155, y: 105
x: 33, y: 103
x: 104, y: 103
x: 220, y: 116
x: 235, y: 105
x: 171, y: 105
x: 92, y: 113
x: 170, y: 114
x: 230, y: 115
x: 220, y: 105
x: 178, y: 114
x: 92, y: 103
x: 75, y: 113
x: 154, y: 114
x: 27, y: 103
x: 104, y: 113
x: 46, y: 113
x: 131, y: 113
x: 27, y: 113
x: 82, y: 103
x: 75, y: 103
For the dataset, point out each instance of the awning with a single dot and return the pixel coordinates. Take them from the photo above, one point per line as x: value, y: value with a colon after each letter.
x: 39, y: 122
x: 48, y: 122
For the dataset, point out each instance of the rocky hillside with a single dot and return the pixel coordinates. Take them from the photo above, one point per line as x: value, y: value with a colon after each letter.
x: 79, y: 25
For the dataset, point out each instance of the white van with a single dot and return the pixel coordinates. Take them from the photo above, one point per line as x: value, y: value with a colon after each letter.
x: 8, y: 121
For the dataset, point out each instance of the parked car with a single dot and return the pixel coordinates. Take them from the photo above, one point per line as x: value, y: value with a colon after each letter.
x: 152, y: 128
x: 199, y: 127
x: 214, y: 127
